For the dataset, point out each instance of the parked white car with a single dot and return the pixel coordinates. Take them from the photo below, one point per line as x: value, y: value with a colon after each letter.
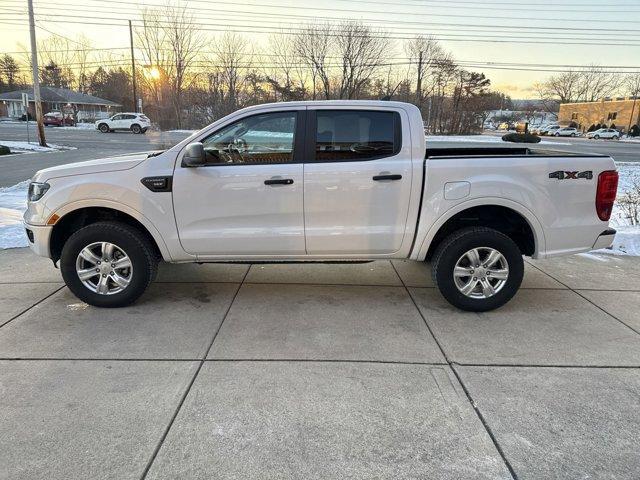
x: 565, y: 132
x: 134, y: 122
x: 324, y: 181
x: 604, y: 133
x: 549, y: 129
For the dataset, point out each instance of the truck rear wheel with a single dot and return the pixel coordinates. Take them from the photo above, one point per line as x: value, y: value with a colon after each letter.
x: 477, y: 269
x: 108, y: 264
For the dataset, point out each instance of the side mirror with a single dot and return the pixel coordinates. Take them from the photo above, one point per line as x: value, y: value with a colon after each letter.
x: 194, y: 155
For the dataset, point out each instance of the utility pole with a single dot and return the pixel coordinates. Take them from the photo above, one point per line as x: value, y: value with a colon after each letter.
x: 133, y: 69
x: 36, y: 77
x: 419, y: 82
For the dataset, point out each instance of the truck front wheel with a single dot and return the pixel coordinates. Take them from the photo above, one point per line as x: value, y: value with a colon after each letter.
x: 108, y: 264
x: 477, y: 269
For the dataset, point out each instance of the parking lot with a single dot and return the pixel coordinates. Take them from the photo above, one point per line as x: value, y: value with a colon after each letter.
x: 321, y: 371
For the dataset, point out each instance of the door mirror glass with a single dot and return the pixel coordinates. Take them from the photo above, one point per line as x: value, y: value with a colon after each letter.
x: 194, y: 155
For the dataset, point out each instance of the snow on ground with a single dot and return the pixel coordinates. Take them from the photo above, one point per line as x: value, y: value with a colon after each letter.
x: 78, y: 126
x: 13, y: 203
x: 22, y: 147
x: 485, y: 139
x: 182, y: 131
x: 627, y: 241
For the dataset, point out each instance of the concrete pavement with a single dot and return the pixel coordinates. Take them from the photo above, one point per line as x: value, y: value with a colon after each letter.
x: 321, y: 372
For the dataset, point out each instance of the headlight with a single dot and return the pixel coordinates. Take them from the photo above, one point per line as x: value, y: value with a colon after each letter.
x: 37, y: 190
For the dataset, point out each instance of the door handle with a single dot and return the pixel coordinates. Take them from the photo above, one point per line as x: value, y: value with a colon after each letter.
x: 379, y: 178
x: 278, y: 181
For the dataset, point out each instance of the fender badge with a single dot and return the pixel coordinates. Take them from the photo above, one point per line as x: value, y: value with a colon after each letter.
x: 563, y: 175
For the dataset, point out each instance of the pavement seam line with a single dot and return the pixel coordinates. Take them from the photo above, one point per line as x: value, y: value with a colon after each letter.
x: 32, y: 306
x: 484, y: 423
x: 193, y: 379
x: 588, y: 300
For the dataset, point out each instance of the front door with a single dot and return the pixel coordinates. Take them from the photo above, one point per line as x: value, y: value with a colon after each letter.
x: 357, y: 182
x: 248, y: 198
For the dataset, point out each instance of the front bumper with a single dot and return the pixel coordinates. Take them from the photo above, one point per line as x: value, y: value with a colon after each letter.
x: 605, y: 239
x: 39, y: 236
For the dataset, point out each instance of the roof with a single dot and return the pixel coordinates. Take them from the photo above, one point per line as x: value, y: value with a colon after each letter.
x: 58, y: 95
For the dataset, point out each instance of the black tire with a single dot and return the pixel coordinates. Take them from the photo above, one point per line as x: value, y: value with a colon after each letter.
x: 103, y: 127
x: 135, y: 128
x: 132, y: 241
x: 453, y: 247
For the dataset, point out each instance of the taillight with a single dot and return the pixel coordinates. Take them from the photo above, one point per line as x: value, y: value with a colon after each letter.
x: 606, y: 193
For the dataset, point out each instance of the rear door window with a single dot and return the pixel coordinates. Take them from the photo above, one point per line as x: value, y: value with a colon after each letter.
x: 356, y: 135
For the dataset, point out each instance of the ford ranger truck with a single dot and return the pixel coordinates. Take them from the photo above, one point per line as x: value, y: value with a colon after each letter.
x: 326, y: 181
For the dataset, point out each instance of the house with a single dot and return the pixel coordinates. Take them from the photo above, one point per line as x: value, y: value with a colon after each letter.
x: 620, y: 113
x: 84, y: 107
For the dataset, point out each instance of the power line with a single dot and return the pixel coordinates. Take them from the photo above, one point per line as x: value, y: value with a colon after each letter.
x: 423, y: 14
x: 404, y: 36
x: 519, y: 28
x: 489, y: 29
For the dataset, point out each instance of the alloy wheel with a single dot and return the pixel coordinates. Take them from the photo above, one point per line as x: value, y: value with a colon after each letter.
x: 481, y: 272
x: 104, y: 268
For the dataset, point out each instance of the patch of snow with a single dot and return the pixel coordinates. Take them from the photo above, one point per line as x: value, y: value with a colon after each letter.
x: 627, y: 239
x: 13, y: 203
x: 78, y: 126
x: 182, y: 131
x: 33, y: 147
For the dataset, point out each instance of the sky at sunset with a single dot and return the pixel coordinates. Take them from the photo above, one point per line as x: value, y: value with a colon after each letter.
x: 535, y: 39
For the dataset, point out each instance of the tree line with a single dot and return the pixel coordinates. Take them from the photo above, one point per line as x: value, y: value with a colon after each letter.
x: 187, y: 78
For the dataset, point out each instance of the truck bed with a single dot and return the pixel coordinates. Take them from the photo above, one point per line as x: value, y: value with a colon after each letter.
x: 492, y: 151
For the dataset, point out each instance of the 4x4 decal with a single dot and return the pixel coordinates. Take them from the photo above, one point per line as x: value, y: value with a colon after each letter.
x: 562, y: 175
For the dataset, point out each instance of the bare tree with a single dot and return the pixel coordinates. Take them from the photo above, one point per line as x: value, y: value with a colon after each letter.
x: 184, y: 43
x: 580, y: 85
x: 170, y: 45
x: 361, y: 52
x: 313, y: 47
x: 596, y: 83
x: 286, y: 73
x: 423, y: 53
x: 232, y: 65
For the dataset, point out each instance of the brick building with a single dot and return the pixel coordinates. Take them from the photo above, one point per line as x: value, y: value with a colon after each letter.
x: 620, y: 113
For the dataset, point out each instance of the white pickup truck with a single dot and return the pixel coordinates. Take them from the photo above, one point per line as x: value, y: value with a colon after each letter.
x: 327, y: 181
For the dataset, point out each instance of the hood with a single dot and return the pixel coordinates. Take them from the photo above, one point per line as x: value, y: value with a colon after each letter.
x: 109, y: 164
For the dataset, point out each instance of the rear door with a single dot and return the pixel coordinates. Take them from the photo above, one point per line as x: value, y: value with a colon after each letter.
x: 357, y: 180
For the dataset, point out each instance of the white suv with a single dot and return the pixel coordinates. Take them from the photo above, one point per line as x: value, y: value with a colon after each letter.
x: 604, y: 133
x: 135, y: 122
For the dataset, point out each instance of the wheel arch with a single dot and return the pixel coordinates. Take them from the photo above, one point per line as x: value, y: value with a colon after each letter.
x: 504, y: 215
x: 75, y: 216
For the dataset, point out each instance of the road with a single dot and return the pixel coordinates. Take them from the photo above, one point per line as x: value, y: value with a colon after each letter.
x: 92, y: 144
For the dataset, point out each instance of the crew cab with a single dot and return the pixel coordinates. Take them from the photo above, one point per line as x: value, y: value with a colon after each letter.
x: 329, y: 181
x: 134, y: 122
